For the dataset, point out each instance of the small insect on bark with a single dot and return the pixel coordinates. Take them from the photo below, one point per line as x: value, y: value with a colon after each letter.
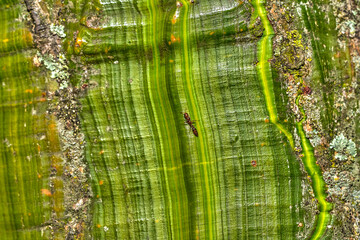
x: 187, y: 119
x: 84, y: 86
x: 194, y: 131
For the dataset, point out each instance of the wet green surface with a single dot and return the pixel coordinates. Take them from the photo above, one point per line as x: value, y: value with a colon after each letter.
x: 28, y: 137
x: 158, y: 180
x: 152, y: 178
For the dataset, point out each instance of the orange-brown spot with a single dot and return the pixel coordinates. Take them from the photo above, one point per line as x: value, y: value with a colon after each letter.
x: 38, y: 148
x: 5, y: 40
x: 98, y: 196
x: 262, y: 144
x: 171, y: 61
x: 98, y: 225
x: 42, y: 99
x: 101, y: 182
x: 285, y: 120
x: 29, y: 91
x: 79, y: 41
x: 173, y: 38
x: 39, y: 175
x: 267, y: 120
x: 253, y: 163
x: 28, y: 37
x: 101, y: 152
x: 29, y: 214
x: 107, y: 49
x: 173, y: 20
x: 46, y: 192
x: 212, y: 33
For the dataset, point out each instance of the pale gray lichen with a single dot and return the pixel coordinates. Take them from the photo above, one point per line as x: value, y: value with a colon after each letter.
x: 58, y: 30
x: 343, y: 147
x: 351, y: 148
x: 356, y: 196
x: 314, y: 138
x: 57, y: 67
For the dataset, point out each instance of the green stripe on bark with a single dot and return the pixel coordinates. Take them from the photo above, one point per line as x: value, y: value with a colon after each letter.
x: 25, y: 153
x: 265, y: 53
x: 170, y: 183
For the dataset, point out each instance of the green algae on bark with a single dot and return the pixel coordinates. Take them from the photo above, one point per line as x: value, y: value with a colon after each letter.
x: 264, y: 67
x: 318, y: 183
x: 265, y: 53
x: 152, y: 178
x: 177, y: 209
x: 29, y: 142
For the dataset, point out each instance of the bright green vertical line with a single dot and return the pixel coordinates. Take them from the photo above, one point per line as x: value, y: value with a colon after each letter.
x: 175, y: 188
x: 264, y: 70
x: 209, y: 201
x: 317, y: 181
x: 264, y: 54
x: 155, y: 76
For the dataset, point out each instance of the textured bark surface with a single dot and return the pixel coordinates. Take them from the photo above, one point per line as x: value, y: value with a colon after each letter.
x: 94, y: 140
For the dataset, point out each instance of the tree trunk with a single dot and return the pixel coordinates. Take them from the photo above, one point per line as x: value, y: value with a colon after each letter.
x: 195, y: 119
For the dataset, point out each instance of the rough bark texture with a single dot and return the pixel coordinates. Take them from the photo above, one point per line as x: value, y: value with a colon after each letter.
x: 95, y: 145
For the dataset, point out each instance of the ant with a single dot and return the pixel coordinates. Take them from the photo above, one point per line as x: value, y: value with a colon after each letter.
x: 187, y: 118
x: 188, y: 121
x: 194, y: 130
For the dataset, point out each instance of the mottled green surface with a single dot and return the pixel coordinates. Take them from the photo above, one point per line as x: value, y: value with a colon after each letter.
x: 28, y: 138
x: 155, y: 179
x: 152, y: 178
x: 323, y: 35
x: 309, y: 160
